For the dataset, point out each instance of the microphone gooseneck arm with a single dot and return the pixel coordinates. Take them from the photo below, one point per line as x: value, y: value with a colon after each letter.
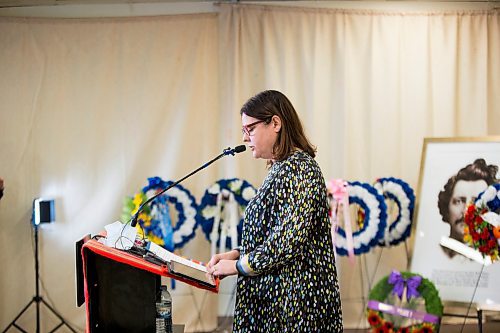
x: 227, y: 151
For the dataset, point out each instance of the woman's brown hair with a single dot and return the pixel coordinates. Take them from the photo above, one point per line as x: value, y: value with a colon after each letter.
x: 269, y: 103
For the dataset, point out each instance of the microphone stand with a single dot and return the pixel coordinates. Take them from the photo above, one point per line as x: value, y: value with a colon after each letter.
x: 227, y: 151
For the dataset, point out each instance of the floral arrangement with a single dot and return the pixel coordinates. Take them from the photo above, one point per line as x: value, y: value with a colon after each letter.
x: 223, y: 197
x: 400, y: 194
x: 482, y: 223
x: 385, y: 317
x: 339, y: 203
x: 374, y: 223
x: 154, y: 220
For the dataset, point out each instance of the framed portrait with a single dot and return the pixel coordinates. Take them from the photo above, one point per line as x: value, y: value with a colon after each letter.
x: 453, y: 172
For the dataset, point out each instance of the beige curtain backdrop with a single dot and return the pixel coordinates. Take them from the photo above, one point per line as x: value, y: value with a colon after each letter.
x: 90, y: 108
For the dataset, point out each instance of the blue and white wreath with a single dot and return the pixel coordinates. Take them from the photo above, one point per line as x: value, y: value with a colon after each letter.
x: 401, y: 194
x: 184, y: 203
x: 490, y: 198
x: 221, y: 212
x: 374, y: 223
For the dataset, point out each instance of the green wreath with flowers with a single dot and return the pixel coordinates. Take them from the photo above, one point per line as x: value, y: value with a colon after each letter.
x: 383, y: 317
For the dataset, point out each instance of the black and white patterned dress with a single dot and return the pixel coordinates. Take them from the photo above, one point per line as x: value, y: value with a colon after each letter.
x: 288, y: 280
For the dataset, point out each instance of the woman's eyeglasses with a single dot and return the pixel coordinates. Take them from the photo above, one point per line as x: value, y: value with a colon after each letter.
x: 248, y: 129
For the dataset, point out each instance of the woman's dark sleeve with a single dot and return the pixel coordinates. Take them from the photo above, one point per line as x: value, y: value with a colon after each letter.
x: 296, y: 195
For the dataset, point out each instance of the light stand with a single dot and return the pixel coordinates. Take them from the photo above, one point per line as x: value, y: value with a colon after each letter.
x: 43, y: 213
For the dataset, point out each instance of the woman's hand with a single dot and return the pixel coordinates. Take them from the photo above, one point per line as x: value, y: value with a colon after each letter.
x: 223, y: 264
x: 223, y: 268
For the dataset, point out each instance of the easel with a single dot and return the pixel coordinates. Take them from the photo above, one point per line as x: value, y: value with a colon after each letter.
x: 478, y: 309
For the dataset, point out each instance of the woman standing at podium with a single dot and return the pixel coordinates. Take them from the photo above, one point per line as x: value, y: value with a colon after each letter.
x: 287, y: 277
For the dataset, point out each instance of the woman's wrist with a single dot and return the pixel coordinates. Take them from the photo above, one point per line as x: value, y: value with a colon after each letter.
x: 234, y: 254
x: 243, y: 267
x: 239, y: 269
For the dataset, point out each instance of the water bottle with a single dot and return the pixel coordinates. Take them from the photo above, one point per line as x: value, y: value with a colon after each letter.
x: 163, y: 311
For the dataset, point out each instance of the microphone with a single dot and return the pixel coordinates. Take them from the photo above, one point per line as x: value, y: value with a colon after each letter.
x: 235, y: 150
x: 240, y: 148
x: 227, y: 151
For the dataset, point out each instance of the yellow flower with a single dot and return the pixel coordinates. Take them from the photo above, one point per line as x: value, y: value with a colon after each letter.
x: 468, y: 239
x: 137, y: 202
x: 140, y: 232
x: 146, y: 219
x: 427, y: 328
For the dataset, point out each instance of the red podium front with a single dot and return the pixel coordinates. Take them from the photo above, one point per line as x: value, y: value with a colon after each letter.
x: 120, y: 289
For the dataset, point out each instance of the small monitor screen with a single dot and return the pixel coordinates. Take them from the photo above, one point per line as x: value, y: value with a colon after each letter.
x: 43, y: 211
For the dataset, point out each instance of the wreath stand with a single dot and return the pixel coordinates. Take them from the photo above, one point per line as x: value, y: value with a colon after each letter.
x: 365, y: 275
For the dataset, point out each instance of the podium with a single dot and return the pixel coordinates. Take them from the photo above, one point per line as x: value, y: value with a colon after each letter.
x: 120, y: 289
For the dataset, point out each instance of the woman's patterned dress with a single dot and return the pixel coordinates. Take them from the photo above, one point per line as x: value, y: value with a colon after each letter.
x: 289, y: 280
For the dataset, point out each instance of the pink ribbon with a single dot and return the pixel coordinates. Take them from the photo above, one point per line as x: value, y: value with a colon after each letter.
x: 338, y: 189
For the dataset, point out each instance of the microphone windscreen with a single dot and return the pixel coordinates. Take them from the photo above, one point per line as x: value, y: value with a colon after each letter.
x: 240, y: 148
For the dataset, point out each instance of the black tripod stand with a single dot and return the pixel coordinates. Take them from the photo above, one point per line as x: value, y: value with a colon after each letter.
x: 37, y: 299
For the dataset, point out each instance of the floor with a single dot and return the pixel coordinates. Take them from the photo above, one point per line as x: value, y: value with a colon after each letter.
x: 455, y: 328
x: 470, y: 327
